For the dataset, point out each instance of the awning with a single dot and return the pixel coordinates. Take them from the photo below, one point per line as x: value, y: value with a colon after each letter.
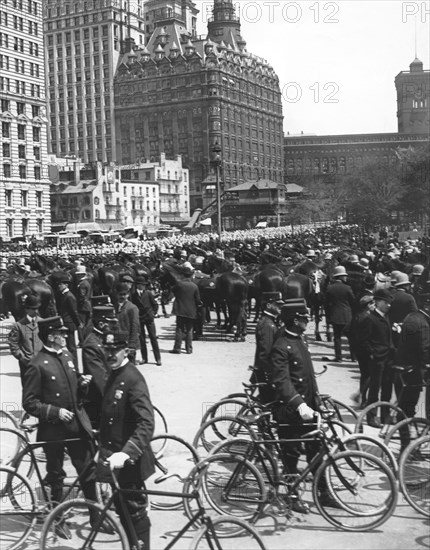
x: 261, y: 225
x: 82, y: 226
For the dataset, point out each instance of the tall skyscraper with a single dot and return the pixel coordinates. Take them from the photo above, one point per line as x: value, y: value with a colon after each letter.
x: 24, y: 185
x: 83, y: 43
x: 413, y: 99
x: 183, y: 94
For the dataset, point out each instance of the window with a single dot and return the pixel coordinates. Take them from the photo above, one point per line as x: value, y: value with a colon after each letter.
x: 37, y: 172
x: 6, y: 149
x: 36, y: 152
x: 39, y: 198
x: 8, y: 197
x: 21, y: 151
x: 21, y: 131
x: 24, y: 226
x: 40, y: 225
x: 23, y: 175
x: 6, y: 170
x: 36, y: 133
x: 35, y: 109
x: 5, y: 105
x: 9, y: 227
x: 20, y: 108
x: 5, y: 129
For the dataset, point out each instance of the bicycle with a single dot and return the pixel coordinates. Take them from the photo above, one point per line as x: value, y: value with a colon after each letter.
x: 216, y: 533
x: 396, y: 429
x: 233, y: 483
x: 25, y: 502
x: 414, y: 474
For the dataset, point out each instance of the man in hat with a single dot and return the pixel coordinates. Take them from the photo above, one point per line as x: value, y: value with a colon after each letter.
x: 185, y: 307
x: 24, y: 341
x: 94, y: 359
x: 51, y: 392
x: 413, y: 353
x: 68, y: 309
x: 265, y: 333
x: 339, y: 308
x: 297, y: 391
x: 126, y: 429
x: 128, y: 319
x: 377, y: 344
x: 145, y: 302
x: 83, y: 297
x: 402, y: 304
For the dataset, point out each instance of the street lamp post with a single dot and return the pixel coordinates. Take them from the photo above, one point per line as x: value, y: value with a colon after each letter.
x: 216, y: 150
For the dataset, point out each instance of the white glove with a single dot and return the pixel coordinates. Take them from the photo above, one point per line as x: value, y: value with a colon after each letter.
x: 117, y: 460
x: 305, y: 412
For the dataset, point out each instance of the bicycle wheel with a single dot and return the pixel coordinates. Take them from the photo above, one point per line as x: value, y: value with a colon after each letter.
x: 12, y: 441
x: 18, y: 510
x: 362, y: 485
x: 23, y: 464
x: 219, y: 429
x: 263, y: 460
x: 223, y: 526
x: 414, y: 474
x: 383, y: 412
x: 402, y: 433
x: 159, y: 429
x: 344, y: 413
x: 370, y: 445
x: 172, y: 469
x: 72, y: 519
x: 229, y: 485
x: 226, y: 407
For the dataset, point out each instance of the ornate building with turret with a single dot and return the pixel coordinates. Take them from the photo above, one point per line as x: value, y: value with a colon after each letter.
x: 183, y: 94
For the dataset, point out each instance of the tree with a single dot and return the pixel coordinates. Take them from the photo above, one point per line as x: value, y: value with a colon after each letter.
x: 372, y: 193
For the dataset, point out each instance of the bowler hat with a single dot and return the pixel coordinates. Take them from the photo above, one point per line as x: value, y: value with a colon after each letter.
x: 402, y: 279
x: 126, y: 278
x: 115, y: 339
x: 60, y: 277
x: 339, y: 271
x: 32, y: 302
x: 103, y: 312
x: 187, y: 268
x: 383, y: 294
x: 100, y: 300
x: 51, y: 324
x: 366, y: 300
x: 293, y: 307
x: 141, y: 280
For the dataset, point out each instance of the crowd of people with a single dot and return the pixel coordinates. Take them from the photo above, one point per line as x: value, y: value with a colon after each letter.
x: 384, y: 324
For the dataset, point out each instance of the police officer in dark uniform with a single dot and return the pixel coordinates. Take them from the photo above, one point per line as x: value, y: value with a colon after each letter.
x: 297, y: 391
x: 94, y: 360
x: 126, y: 429
x: 51, y: 392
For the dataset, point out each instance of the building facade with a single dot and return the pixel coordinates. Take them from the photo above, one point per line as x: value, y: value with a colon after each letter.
x: 24, y: 183
x: 83, y: 44
x: 413, y: 100
x: 115, y: 197
x: 182, y: 95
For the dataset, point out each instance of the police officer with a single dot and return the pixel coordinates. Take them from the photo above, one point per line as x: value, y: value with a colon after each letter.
x: 126, y: 429
x: 68, y: 309
x: 297, y: 391
x: 51, y: 392
x: 94, y: 360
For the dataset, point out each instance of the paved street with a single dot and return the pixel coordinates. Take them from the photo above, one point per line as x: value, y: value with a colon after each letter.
x: 184, y: 386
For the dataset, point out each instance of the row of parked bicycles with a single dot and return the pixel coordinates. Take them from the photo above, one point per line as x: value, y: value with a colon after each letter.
x: 231, y: 481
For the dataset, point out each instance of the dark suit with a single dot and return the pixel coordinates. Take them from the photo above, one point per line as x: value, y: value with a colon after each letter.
x: 413, y: 351
x: 265, y: 333
x: 128, y: 321
x: 339, y: 306
x: 377, y: 343
x: 185, y: 307
x: 68, y: 309
x: 294, y: 381
x: 83, y: 297
x: 148, y: 307
x: 24, y: 342
x: 94, y: 363
x: 52, y: 383
x: 403, y: 303
x: 127, y: 425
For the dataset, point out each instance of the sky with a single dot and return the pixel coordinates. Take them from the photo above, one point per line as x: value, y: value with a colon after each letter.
x: 336, y: 61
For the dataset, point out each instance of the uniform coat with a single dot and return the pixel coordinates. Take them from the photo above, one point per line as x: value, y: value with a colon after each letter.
x: 339, y: 310
x: 265, y: 333
x: 94, y: 363
x: 148, y: 307
x: 67, y: 308
x: 24, y: 341
x: 127, y: 422
x: 128, y: 321
x: 52, y: 383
